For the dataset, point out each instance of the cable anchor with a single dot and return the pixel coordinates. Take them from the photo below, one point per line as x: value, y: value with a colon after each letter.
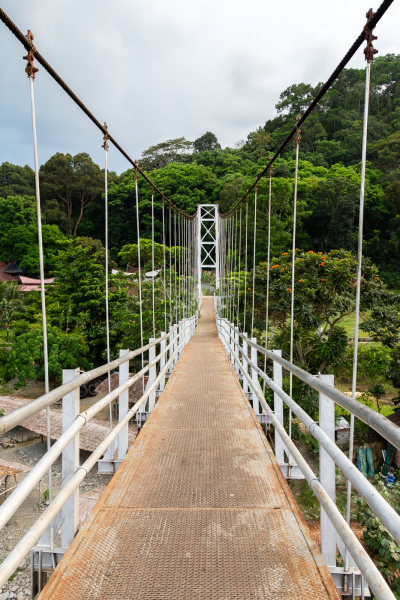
x: 106, y: 138
x: 30, y: 69
x: 369, y: 51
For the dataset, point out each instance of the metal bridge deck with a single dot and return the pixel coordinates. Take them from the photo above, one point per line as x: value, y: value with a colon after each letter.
x: 199, y: 508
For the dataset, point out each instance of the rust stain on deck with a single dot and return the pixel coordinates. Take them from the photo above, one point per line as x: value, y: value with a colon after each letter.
x: 199, y: 508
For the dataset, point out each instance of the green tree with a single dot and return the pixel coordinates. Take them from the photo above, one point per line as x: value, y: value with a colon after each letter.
x: 11, y: 302
x: 129, y: 254
x: 324, y: 297
x: 16, y: 180
x: 74, y: 182
x: 65, y: 351
x: 20, y: 244
x: 206, y: 142
x: 160, y: 155
x: 332, y: 220
x: 17, y: 210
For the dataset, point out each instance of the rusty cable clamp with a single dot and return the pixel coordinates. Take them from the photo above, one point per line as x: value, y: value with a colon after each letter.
x: 30, y: 69
x: 297, y: 137
x: 369, y: 51
x: 106, y: 138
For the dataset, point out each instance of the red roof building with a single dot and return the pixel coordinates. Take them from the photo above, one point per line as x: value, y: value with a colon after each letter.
x: 5, y: 276
x: 30, y: 285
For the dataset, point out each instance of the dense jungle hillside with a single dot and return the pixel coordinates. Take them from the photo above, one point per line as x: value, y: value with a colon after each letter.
x: 201, y: 171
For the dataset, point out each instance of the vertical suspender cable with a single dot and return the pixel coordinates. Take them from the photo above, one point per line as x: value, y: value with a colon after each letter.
x: 358, y: 289
x: 165, y: 268
x: 268, y: 272
x: 187, y: 267
x: 245, y: 267
x: 170, y: 266
x: 235, y: 266
x: 139, y: 274
x: 105, y: 146
x: 41, y: 268
x: 231, y: 280
x: 297, y: 142
x: 231, y: 266
x: 175, y: 251
x: 184, y: 257
x: 179, y: 267
x: 153, y: 279
x: 254, y: 258
x: 239, y: 269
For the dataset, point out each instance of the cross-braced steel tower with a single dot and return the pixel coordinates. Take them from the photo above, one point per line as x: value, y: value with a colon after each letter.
x: 208, y: 240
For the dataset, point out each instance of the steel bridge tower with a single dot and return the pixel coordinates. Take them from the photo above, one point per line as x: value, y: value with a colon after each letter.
x: 208, y: 240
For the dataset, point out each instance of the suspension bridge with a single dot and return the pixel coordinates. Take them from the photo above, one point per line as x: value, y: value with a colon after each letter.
x: 199, y: 506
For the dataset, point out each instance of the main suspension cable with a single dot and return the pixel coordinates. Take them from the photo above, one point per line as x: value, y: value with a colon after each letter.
x: 372, y: 23
x: 27, y: 42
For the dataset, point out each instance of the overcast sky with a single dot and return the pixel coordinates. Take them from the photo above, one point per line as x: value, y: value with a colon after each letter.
x: 160, y: 69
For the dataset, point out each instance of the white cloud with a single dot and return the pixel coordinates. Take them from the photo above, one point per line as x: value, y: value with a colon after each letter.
x: 156, y: 70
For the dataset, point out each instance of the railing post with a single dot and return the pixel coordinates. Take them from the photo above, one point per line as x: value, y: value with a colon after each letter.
x: 225, y: 337
x: 327, y: 472
x: 236, y: 346
x: 70, y: 460
x: 123, y: 406
x: 231, y: 340
x: 278, y: 410
x: 254, y: 377
x: 152, y: 374
x: 162, y: 363
x: 181, y: 336
x: 218, y: 322
x: 245, y: 364
x: 171, y: 350
x: 176, y: 338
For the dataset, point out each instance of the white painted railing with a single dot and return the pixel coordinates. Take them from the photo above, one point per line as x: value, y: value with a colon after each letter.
x: 334, y: 529
x: 171, y: 346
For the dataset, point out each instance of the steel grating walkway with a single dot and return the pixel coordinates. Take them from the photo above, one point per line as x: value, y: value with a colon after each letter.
x: 199, y: 508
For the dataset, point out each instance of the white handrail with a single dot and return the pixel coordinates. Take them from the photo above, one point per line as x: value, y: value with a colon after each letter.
x: 360, y: 556
x: 14, y: 501
x: 373, y: 419
x: 19, y: 415
x: 387, y: 514
x: 10, y: 564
